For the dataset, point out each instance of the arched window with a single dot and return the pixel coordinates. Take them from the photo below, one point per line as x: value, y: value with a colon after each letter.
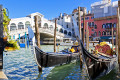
x: 45, y: 25
x: 13, y: 26
x: 20, y: 25
x: 27, y: 23
x: 103, y: 33
x: 114, y: 32
x: 65, y: 32
x: 114, y: 25
x: 95, y: 33
x: 51, y: 27
x: 99, y: 33
x: 108, y: 32
x: 103, y: 26
x: 61, y: 30
x: 69, y: 33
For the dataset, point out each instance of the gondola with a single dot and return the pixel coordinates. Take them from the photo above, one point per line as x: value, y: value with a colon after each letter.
x: 49, y: 59
x: 98, y: 65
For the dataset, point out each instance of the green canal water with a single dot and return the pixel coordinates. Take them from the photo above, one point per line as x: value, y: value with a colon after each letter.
x: 21, y: 65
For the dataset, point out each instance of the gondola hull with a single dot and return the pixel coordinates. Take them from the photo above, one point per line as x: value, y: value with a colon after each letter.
x: 44, y: 59
x: 99, y: 65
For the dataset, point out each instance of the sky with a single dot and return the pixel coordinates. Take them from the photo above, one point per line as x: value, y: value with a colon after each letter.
x: 49, y: 8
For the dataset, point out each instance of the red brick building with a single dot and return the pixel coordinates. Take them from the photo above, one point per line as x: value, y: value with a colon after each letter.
x: 100, y: 28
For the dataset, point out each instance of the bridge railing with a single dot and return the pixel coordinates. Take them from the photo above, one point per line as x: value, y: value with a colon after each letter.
x: 42, y: 30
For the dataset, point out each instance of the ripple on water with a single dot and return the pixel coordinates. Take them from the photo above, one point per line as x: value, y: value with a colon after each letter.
x: 21, y: 65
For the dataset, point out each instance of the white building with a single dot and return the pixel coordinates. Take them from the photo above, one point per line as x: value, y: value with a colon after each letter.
x: 104, y: 8
x: 19, y: 25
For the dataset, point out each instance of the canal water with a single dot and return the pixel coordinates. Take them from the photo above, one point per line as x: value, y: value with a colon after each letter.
x: 21, y: 65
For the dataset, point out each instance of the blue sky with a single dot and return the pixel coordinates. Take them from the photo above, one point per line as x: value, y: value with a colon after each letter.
x: 49, y: 8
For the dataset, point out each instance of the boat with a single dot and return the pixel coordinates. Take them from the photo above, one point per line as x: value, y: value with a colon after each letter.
x: 66, y: 42
x: 98, y: 65
x: 49, y: 59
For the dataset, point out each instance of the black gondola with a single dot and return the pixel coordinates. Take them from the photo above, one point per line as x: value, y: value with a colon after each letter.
x: 99, y: 65
x: 49, y: 59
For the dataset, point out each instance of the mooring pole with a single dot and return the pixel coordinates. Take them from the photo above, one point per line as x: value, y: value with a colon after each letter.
x: 83, y: 37
x: 37, y: 37
x: 118, y: 34
x: 55, y: 35
x: 87, y: 37
x: 79, y: 21
x: 1, y: 38
x: 112, y: 38
x: 116, y: 46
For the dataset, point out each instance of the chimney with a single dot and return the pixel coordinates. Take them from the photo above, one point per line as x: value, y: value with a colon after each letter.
x: 60, y: 14
x: 88, y: 12
x: 85, y: 11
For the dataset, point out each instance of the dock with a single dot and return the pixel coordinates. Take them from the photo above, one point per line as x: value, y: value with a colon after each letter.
x: 2, y: 75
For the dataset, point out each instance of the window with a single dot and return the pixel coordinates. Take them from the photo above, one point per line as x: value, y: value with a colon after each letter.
x: 114, y: 32
x: 92, y: 29
x: 20, y: 25
x: 108, y: 32
x: 82, y: 24
x: 45, y: 25
x: 109, y: 25
x: 77, y: 23
x: 92, y: 23
x: 103, y: 26
x: 61, y: 30
x: 67, y: 25
x: 92, y: 17
x: 76, y: 13
x: 13, y: 26
x: 27, y: 23
x: 73, y: 29
x: 99, y: 33
x: 65, y: 32
x: 51, y: 27
x: 114, y: 25
x: 86, y: 18
x: 103, y: 33
x: 95, y: 26
x: 95, y: 33
x: 69, y: 33
x: 89, y: 24
x: 77, y: 18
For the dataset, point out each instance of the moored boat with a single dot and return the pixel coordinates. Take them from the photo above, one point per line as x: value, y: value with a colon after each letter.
x: 99, y: 64
x: 45, y: 59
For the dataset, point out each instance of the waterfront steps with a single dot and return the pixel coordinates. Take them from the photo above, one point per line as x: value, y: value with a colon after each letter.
x: 2, y: 75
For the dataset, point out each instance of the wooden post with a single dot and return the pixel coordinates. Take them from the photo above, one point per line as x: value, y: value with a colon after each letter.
x: 83, y: 37
x: 55, y: 35
x: 1, y: 38
x: 112, y: 38
x: 79, y: 21
x: 37, y: 37
x: 87, y: 37
x: 116, y: 46
x: 118, y: 33
x: 37, y: 31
